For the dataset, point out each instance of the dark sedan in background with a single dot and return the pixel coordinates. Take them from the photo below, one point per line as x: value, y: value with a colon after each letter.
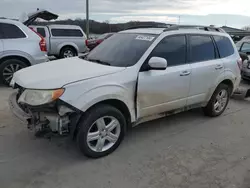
x: 92, y: 43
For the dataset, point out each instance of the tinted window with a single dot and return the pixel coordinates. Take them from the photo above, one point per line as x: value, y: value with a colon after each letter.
x: 122, y: 49
x: 11, y: 31
x: 201, y: 48
x: 66, y: 33
x: 245, y: 47
x: 224, y: 46
x: 173, y: 49
x: 41, y: 31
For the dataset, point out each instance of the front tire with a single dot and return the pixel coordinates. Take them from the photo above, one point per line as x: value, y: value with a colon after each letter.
x: 218, y: 102
x: 101, y: 131
x: 8, y: 68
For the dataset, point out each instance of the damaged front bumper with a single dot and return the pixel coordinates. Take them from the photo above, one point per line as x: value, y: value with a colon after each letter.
x: 52, y: 118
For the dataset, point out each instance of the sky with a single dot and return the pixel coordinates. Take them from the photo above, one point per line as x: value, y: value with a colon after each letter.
x: 234, y: 13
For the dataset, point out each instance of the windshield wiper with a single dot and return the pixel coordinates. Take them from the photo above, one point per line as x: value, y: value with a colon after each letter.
x: 99, y: 61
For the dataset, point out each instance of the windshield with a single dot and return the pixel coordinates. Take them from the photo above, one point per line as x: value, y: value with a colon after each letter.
x: 122, y: 49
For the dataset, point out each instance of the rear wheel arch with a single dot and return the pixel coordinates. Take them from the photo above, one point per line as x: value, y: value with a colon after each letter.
x: 21, y: 58
x: 229, y: 83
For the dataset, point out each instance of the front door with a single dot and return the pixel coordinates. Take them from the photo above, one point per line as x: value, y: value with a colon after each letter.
x: 165, y: 90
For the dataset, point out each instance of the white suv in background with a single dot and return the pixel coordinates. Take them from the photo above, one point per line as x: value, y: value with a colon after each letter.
x: 134, y: 76
x: 19, y: 47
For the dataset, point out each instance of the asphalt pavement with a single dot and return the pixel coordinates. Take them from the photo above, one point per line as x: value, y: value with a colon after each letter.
x: 184, y: 150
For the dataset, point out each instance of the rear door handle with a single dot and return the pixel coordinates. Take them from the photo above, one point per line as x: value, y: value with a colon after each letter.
x: 185, y: 73
x: 218, y: 67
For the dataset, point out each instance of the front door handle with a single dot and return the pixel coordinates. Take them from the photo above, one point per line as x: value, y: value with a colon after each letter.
x: 218, y: 67
x: 185, y: 73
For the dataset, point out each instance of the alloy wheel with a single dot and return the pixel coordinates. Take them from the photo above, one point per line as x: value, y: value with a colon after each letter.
x: 68, y: 53
x: 9, y: 70
x: 103, y: 134
x: 221, y: 101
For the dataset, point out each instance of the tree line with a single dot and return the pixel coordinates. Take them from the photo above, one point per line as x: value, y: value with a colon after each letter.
x: 102, y: 27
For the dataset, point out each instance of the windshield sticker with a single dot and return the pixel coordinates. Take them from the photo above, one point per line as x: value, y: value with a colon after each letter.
x: 146, y: 38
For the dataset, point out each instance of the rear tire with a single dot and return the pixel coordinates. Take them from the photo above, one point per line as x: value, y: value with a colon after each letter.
x: 8, y: 68
x: 68, y: 52
x: 218, y: 102
x: 106, y: 136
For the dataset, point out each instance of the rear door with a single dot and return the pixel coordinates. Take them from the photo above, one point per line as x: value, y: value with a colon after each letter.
x: 206, y: 67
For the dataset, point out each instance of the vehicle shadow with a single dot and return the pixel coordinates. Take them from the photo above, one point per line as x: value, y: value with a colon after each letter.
x: 170, y: 125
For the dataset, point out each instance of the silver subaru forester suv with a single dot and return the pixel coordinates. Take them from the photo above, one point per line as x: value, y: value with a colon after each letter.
x: 19, y: 47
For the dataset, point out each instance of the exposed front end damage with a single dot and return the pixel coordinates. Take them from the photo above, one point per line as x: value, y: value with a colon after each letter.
x: 56, y: 117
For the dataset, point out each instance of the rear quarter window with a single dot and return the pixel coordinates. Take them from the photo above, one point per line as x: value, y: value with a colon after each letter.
x: 41, y: 31
x: 224, y: 45
x: 10, y: 31
x: 67, y: 32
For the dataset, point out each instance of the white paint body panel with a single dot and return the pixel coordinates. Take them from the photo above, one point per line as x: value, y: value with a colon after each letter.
x: 144, y: 93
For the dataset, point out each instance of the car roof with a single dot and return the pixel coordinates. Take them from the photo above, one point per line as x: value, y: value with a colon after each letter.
x: 10, y: 21
x: 155, y: 31
x: 158, y: 31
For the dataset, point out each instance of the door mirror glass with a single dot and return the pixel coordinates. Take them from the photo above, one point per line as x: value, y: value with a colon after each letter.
x: 157, y: 63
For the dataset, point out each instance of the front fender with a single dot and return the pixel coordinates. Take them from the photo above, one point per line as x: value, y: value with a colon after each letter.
x: 103, y: 93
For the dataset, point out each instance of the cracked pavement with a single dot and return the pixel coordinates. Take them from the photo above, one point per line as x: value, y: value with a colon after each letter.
x: 184, y: 150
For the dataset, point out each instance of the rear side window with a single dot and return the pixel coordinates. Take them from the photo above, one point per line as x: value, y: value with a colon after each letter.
x: 66, y: 32
x: 41, y: 31
x: 10, y: 31
x: 224, y: 46
x: 201, y: 48
x: 173, y: 49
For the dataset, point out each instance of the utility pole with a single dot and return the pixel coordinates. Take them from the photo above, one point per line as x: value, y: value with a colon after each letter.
x: 87, y: 18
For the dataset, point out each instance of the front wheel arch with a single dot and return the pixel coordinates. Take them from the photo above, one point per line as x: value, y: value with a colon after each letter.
x: 121, y: 106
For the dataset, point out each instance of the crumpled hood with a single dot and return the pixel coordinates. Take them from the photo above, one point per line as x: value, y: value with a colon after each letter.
x: 56, y: 74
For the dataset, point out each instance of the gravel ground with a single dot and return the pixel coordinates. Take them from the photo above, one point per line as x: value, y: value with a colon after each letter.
x: 184, y: 150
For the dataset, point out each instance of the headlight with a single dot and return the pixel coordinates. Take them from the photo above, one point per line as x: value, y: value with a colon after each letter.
x: 39, y: 97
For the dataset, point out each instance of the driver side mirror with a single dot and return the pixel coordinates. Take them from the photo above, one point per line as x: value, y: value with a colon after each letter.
x: 157, y: 63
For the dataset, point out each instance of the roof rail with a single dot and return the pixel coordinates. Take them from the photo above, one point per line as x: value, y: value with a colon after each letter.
x: 151, y: 26
x: 198, y: 27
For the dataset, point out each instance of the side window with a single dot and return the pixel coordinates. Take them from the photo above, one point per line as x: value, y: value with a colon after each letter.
x: 245, y: 47
x: 66, y: 33
x: 224, y: 46
x: 201, y: 48
x: 41, y: 31
x: 10, y: 31
x: 173, y: 49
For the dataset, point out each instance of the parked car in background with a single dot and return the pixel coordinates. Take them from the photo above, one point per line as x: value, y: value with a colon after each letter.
x: 63, y: 41
x: 19, y: 47
x: 135, y: 76
x: 92, y: 43
x: 244, y: 50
